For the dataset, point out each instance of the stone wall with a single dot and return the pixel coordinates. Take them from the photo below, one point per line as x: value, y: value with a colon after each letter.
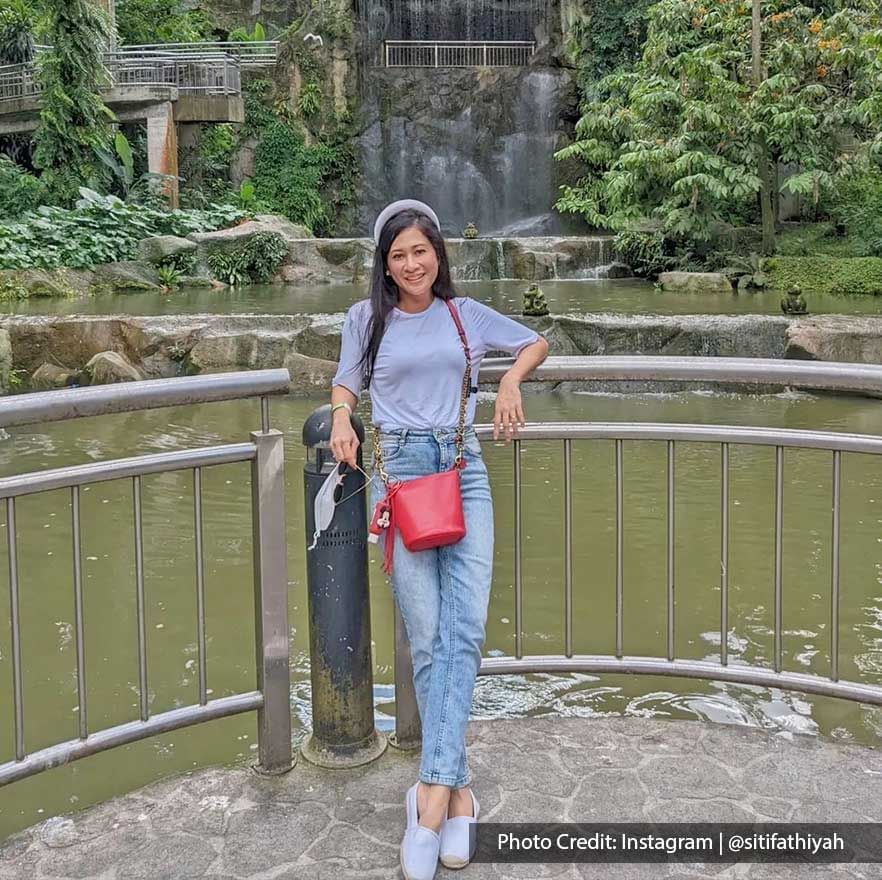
x: 309, y: 345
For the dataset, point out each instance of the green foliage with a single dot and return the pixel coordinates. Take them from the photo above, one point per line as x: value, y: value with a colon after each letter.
x: 101, y: 229
x: 74, y: 122
x: 246, y: 198
x: 12, y: 290
x: 748, y: 272
x: 183, y: 264
x: 310, y: 98
x: 205, y: 171
x: 169, y: 276
x: 607, y: 34
x: 161, y: 21
x: 828, y: 275
x: 18, y: 23
x: 19, y: 191
x: 228, y: 268
x: 647, y: 253
x: 255, y: 261
x: 291, y: 178
x: 679, y: 139
x: 813, y: 239
x: 856, y: 206
x: 120, y: 164
x: 243, y: 35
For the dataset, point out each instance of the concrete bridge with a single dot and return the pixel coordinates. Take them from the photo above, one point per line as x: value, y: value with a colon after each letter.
x: 165, y: 86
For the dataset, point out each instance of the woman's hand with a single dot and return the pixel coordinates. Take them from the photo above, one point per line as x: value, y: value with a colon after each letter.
x: 509, y: 409
x: 344, y: 440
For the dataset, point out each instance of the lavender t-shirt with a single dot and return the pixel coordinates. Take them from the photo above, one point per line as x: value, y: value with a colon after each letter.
x: 417, y: 380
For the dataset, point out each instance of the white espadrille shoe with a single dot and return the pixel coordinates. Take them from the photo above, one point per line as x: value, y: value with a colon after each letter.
x: 457, y: 840
x: 420, y: 846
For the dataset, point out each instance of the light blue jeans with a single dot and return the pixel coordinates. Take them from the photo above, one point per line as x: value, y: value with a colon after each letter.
x: 442, y: 595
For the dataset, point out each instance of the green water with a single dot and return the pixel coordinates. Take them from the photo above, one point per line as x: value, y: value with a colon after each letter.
x: 623, y: 296
x: 46, y: 590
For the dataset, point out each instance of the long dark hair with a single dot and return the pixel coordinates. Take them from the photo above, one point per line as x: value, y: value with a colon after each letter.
x: 384, y: 291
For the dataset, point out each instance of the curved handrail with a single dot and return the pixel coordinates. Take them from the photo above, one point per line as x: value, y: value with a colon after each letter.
x: 824, y: 375
x: 74, y: 403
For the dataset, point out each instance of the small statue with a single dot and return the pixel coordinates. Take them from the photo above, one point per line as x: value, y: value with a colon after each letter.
x: 793, y: 302
x: 471, y: 231
x: 534, y: 302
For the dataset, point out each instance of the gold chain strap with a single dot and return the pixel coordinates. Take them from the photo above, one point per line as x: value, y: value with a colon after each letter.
x: 460, y: 431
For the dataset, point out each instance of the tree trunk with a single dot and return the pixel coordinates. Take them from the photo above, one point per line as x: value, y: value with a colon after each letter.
x: 767, y: 207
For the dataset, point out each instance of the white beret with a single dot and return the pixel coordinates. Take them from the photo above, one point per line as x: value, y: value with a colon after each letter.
x: 402, y: 205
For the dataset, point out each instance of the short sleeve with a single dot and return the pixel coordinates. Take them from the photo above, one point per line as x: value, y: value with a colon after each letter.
x: 496, y: 331
x: 350, y: 370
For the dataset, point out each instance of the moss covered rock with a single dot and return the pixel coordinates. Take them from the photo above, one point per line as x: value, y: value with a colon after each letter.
x: 127, y: 276
x: 52, y: 282
x: 158, y: 248
x: 695, y: 282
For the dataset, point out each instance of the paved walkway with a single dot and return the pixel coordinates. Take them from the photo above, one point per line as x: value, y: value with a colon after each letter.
x: 230, y: 824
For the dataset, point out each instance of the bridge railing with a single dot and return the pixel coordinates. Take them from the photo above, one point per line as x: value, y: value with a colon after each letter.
x: 264, y: 449
x: 251, y: 53
x: 464, y: 53
x: 748, y: 372
x: 204, y: 72
x: 17, y: 81
x: 259, y: 53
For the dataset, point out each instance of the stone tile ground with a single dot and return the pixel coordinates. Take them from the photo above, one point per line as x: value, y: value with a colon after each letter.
x: 312, y: 824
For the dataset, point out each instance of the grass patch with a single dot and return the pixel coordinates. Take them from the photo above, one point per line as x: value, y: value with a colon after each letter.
x: 826, y: 274
x: 814, y: 239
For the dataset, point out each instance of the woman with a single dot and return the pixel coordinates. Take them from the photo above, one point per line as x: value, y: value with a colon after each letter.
x: 403, y: 344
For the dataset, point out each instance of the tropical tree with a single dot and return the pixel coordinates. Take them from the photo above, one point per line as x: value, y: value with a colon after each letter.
x: 18, y: 21
x: 694, y: 134
x: 74, y: 121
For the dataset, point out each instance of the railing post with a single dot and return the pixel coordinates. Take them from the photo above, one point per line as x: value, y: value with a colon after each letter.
x: 485, y: 54
x: 341, y: 667
x: 436, y: 54
x: 271, y: 602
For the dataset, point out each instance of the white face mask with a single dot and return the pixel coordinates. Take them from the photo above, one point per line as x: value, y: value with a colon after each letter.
x: 325, y: 504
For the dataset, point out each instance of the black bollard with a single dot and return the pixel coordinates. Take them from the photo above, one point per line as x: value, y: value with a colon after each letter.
x: 343, y: 733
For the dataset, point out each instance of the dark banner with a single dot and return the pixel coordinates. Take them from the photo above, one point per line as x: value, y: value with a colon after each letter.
x: 678, y: 842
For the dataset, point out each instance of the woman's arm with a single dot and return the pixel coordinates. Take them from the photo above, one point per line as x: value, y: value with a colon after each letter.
x: 509, y: 411
x: 344, y: 440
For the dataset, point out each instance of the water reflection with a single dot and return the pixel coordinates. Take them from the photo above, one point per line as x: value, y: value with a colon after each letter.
x: 627, y: 296
x: 45, y: 564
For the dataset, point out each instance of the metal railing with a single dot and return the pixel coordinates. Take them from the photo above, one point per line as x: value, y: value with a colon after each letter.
x: 17, y: 81
x: 453, y: 53
x: 751, y: 372
x: 260, y: 53
x: 257, y: 53
x: 204, y: 73
x: 207, y: 73
x: 270, y: 698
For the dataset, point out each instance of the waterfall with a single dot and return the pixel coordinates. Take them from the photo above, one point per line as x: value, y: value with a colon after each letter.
x: 476, y: 143
x: 452, y: 19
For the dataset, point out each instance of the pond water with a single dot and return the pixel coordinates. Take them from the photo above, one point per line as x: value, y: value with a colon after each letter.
x: 45, y: 554
x: 620, y: 296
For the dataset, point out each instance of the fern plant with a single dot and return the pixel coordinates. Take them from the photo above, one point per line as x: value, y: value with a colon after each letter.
x: 310, y: 99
